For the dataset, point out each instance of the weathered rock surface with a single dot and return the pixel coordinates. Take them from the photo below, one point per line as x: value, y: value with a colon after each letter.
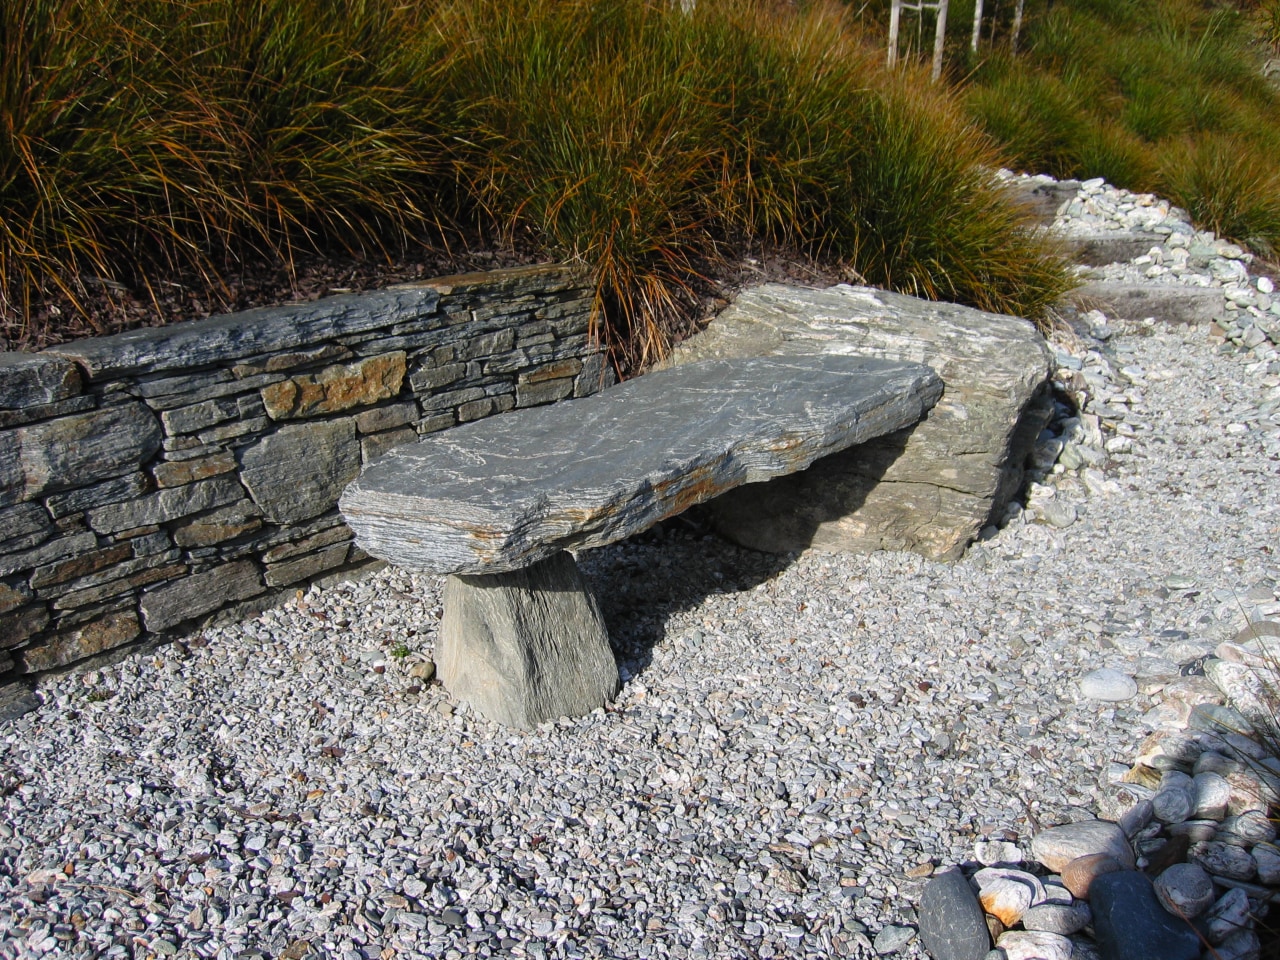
x: 27, y: 379
x: 299, y: 471
x: 230, y: 337
x: 928, y: 489
x: 526, y: 646
x: 336, y: 388
x: 1130, y: 924
x: 75, y: 451
x: 500, y: 494
x: 952, y: 926
x: 1171, y: 303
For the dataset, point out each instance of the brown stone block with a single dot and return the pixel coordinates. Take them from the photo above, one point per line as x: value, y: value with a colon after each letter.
x: 219, y: 526
x: 85, y: 641
x: 115, y: 588
x: 81, y: 566
x: 22, y: 624
x: 176, y: 474
x: 336, y: 388
x: 13, y: 596
x: 553, y: 371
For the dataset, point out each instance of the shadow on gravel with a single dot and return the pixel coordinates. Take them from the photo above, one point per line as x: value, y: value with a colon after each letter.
x: 645, y: 581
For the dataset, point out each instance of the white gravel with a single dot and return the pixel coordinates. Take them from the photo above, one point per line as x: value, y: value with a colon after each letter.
x: 798, y: 739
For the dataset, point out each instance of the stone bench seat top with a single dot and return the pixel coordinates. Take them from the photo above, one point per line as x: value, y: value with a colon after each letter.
x: 502, y: 493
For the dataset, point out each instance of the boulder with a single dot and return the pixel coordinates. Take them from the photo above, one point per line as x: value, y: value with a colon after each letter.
x: 526, y: 646
x: 928, y: 488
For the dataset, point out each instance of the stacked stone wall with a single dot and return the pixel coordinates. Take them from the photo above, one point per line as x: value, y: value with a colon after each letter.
x: 151, y: 480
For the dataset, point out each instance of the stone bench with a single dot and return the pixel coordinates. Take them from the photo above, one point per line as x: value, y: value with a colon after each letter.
x: 496, y: 504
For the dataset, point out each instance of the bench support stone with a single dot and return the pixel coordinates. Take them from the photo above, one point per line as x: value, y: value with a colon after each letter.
x: 526, y: 646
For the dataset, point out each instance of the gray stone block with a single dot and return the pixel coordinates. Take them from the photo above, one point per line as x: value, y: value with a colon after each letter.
x: 144, y: 571
x: 45, y: 411
x: 929, y: 489
x: 22, y: 520
x: 172, y: 503
x: 304, y: 568
x: 299, y: 471
x: 375, y: 445
x: 27, y: 379
x: 75, y: 451
x: 48, y: 552
x: 1115, y: 246
x: 501, y: 493
x: 1169, y: 302
x: 86, y: 498
x: 199, y: 416
x: 227, y: 338
x: 526, y: 646
x: 18, y: 626
x: 167, y: 606
x: 547, y: 391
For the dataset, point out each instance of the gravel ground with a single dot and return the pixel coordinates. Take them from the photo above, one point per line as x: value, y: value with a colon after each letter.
x: 800, y: 739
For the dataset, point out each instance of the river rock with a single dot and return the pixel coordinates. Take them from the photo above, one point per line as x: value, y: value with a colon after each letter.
x: 952, y: 925
x: 992, y: 853
x: 1109, y: 685
x: 1267, y: 857
x: 1063, y: 919
x: 1248, y: 828
x: 1175, y: 801
x: 500, y: 493
x: 1213, y: 793
x: 1058, y: 846
x: 1130, y: 924
x: 1223, y: 859
x: 1227, y: 917
x: 1007, y: 894
x: 1079, y: 874
x: 930, y: 489
x: 1185, y: 890
x: 526, y: 646
x: 1241, y: 945
x: 1034, y: 945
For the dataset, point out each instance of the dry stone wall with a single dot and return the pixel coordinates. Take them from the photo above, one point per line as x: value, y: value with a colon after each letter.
x: 152, y: 479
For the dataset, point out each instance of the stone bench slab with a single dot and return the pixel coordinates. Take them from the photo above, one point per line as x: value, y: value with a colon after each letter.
x: 503, y: 493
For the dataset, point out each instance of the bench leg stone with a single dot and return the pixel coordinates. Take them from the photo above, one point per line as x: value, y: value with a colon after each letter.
x: 526, y: 646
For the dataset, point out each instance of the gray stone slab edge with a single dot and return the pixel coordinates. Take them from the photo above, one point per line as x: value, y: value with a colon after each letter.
x: 513, y: 490
x: 155, y: 480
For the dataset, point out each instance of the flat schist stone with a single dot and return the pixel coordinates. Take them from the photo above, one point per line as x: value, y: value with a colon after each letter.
x: 930, y: 489
x: 502, y: 493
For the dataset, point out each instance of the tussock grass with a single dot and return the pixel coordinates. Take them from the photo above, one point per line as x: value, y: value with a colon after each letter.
x: 145, y: 138
x: 1164, y: 97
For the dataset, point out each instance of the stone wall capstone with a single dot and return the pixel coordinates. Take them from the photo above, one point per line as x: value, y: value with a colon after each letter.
x: 153, y: 479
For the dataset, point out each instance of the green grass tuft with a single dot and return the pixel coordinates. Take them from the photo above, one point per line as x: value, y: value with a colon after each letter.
x: 1166, y: 96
